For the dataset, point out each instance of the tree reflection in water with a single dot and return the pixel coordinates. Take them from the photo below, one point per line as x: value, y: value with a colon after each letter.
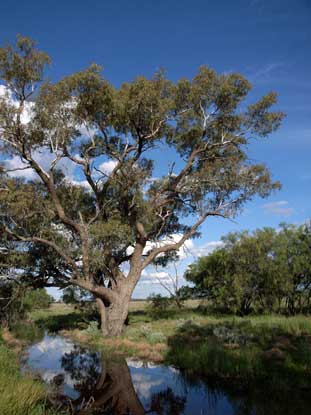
x: 167, y: 403
x: 96, y: 385
x: 105, y: 386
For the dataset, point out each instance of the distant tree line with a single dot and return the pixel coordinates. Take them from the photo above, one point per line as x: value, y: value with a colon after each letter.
x: 266, y: 271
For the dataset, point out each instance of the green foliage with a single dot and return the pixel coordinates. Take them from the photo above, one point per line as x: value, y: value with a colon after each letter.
x: 63, y: 321
x: 186, y: 292
x: 82, y: 302
x: 147, y: 334
x: 74, y: 295
x: 266, y: 271
x: 22, y: 66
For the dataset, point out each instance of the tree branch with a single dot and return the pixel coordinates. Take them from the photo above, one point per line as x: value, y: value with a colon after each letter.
x: 46, y: 242
x: 174, y: 246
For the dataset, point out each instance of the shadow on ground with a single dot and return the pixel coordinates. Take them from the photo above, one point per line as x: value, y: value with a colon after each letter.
x: 54, y: 323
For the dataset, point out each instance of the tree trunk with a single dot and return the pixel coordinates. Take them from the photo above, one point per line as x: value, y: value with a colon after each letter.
x: 103, y: 316
x: 113, y: 317
x: 178, y: 302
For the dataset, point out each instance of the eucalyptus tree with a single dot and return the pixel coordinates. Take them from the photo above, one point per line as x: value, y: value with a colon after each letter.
x: 101, y: 232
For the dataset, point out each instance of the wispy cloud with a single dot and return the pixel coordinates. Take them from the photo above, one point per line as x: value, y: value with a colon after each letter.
x: 265, y: 72
x: 279, y: 208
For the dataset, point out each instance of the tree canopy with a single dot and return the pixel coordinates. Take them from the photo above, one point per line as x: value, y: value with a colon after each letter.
x: 96, y: 228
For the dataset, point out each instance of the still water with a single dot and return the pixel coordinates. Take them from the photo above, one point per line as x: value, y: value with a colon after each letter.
x: 90, y: 383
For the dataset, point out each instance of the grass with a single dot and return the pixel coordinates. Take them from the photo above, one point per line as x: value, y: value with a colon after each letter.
x: 55, y: 309
x: 20, y: 395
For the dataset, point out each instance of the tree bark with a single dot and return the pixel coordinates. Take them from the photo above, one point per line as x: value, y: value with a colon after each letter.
x: 114, y: 315
x: 103, y: 316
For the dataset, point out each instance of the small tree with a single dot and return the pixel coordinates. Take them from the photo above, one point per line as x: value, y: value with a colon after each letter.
x: 158, y: 305
x: 238, y: 276
x: 292, y: 253
x: 11, y: 302
x: 82, y: 233
x: 38, y: 298
x: 262, y: 271
x: 172, y: 285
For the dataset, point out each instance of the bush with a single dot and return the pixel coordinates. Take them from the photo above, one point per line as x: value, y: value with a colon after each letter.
x: 158, y: 305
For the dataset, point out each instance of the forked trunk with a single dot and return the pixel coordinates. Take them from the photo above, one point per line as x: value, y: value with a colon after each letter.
x: 113, y: 317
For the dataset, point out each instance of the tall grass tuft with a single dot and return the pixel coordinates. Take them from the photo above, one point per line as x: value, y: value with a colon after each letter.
x: 19, y: 395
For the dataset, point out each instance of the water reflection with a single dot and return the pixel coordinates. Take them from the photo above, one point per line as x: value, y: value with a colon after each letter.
x: 103, y: 384
x: 88, y: 382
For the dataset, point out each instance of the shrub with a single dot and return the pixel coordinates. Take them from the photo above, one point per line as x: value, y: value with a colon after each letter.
x: 158, y: 305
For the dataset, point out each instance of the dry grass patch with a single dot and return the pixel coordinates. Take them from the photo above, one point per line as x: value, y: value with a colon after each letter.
x: 121, y: 346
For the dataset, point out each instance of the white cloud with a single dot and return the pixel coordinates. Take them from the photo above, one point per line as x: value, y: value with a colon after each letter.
x: 82, y: 183
x: 44, y: 158
x: 86, y: 131
x: 108, y: 166
x: 2, y: 90
x: 144, y: 384
x: 17, y: 163
x: 154, y: 277
x: 183, y: 252
x: 206, y: 248
x: 27, y: 112
x: 154, y: 378
x: 279, y: 208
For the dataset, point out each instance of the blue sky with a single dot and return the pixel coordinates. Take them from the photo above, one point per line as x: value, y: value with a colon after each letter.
x: 266, y: 40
